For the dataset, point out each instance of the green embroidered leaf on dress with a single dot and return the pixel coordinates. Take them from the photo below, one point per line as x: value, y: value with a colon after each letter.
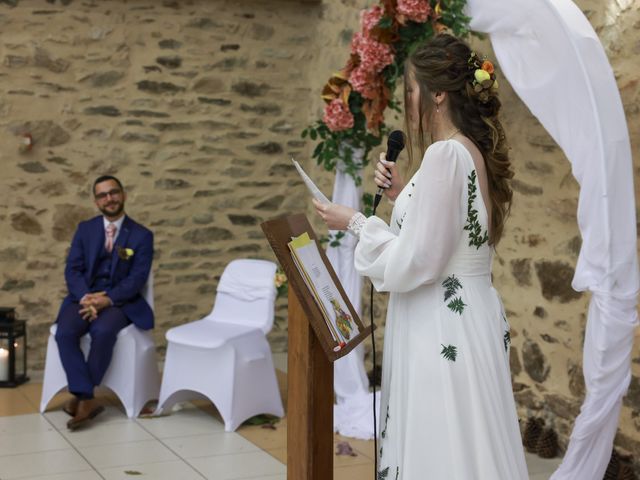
x: 382, y: 474
x: 507, y: 340
x: 450, y: 352
x: 456, y: 305
x: 476, y: 238
x: 386, y: 421
x: 451, y: 286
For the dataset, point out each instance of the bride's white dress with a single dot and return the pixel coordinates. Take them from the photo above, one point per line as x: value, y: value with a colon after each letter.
x: 447, y: 409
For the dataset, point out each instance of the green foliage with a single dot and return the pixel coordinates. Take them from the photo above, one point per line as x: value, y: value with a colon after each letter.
x: 476, y: 238
x: 332, y: 240
x: 451, y: 285
x: 367, y: 201
x: 386, y: 421
x: 450, y: 352
x: 382, y: 474
x: 507, y: 340
x: 454, y: 17
x: 262, y: 420
x: 283, y: 290
x: 456, y: 305
x: 409, y: 36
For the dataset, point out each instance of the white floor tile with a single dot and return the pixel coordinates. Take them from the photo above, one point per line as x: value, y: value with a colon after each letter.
x: 105, y: 456
x: 31, y: 423
x: 238, y: 466
x: 85, y: 475
x: 42, y: 463
x: 107, y: 433
x: 208, y: 445
x: 156, y: 471
x: 18, y: 443
x: 187, y: 422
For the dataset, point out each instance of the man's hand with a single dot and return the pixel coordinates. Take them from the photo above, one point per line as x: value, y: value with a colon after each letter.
x: 89, y: 313
x: 92, y: 304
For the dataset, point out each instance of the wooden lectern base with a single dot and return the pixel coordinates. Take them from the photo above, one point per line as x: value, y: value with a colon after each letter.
x: 310, y: 401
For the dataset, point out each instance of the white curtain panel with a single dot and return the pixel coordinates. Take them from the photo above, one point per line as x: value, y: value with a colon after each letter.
x: 352, y: 414
x: 556, y: 64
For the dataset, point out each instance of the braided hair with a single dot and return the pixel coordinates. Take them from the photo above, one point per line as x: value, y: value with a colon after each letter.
x: 447, y: 64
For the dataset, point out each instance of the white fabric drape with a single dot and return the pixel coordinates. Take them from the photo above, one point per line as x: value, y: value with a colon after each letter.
x: 352, y: 416
x: 556, y: 64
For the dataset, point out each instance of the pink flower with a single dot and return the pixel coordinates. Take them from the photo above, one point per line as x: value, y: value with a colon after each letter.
x: 364, y: 82
x: 337, y: 116
x: 416, y: 10
x: 369, y: 18
x: 374, y: 56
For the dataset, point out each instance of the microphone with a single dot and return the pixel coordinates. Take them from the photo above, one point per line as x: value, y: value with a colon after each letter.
x: 395, y: 144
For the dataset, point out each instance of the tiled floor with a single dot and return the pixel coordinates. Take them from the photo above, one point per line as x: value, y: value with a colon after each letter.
x: 188, y: 444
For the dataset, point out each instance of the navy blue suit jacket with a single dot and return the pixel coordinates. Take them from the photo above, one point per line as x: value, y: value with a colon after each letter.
x: 127, y: 276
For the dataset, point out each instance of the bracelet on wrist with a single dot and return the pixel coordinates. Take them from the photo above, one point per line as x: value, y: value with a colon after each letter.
x: 356, y: 223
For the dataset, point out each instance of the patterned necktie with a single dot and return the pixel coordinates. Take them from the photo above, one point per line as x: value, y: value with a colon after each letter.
x: 110, y: 231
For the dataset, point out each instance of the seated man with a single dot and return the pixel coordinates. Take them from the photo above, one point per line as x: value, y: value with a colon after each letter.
x: 107, y: 267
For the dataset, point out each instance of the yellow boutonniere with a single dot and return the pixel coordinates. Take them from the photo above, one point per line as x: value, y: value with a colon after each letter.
x: 125, y: 253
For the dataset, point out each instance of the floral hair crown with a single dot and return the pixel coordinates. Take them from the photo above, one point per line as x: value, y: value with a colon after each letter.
x: 484, y: 77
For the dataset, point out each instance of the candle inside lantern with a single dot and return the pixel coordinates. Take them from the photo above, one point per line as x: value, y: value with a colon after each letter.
x: 18, y: 356
x: 4, y: 365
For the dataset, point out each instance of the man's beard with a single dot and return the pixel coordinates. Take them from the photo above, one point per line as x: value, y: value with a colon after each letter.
x: 113, y: 213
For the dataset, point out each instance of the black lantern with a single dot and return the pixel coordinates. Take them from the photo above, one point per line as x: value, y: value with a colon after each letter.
x: 13, y: 349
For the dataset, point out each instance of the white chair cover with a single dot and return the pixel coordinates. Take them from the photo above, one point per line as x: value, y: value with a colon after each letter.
x: 225, y: 357
x: 132, y: 374
x: 555, y: 62
x: 246, y: 280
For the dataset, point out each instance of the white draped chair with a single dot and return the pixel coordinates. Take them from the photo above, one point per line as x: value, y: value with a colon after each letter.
x: 132, y: 375
x: 225, y: 356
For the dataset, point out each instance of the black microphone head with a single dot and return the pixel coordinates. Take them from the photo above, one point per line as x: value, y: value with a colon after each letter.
x: 396, y: 140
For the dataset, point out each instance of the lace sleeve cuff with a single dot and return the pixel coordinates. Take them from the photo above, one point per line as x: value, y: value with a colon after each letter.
x: 356, y: 223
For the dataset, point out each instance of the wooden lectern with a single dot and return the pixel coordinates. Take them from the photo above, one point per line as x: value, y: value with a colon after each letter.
x: 310, y: 355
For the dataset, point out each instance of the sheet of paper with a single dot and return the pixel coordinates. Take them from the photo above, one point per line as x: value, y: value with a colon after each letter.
x: 333, y: 307
x: 315, y: 191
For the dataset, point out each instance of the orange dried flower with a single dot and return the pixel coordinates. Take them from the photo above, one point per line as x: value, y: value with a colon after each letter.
x: 487, y: 66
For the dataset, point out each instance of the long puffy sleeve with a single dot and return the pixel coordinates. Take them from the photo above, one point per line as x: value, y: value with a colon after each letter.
x: 430, y: 231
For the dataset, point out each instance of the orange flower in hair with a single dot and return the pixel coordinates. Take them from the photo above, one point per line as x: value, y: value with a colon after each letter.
x: 487, y: 66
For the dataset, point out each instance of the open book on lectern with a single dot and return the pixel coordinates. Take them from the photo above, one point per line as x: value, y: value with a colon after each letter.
x: 335, y: 312
x: 315, y: 284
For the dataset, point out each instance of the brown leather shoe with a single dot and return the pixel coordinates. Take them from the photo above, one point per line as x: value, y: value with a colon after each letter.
x: 71, y: 406
x: 87, y: 410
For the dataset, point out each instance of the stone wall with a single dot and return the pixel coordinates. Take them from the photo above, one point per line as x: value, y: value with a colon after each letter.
x: 197, y: 106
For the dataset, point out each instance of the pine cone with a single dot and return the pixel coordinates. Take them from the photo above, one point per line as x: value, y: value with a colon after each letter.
x: 531, y: 434
x: 547, y: 446
x: 613, y: 468
x: 626, y: 472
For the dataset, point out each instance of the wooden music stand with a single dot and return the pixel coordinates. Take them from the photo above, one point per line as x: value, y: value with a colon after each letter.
x: 310, y: 355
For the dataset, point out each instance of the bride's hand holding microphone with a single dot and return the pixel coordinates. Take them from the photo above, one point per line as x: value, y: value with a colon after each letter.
x: 387, y: 177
